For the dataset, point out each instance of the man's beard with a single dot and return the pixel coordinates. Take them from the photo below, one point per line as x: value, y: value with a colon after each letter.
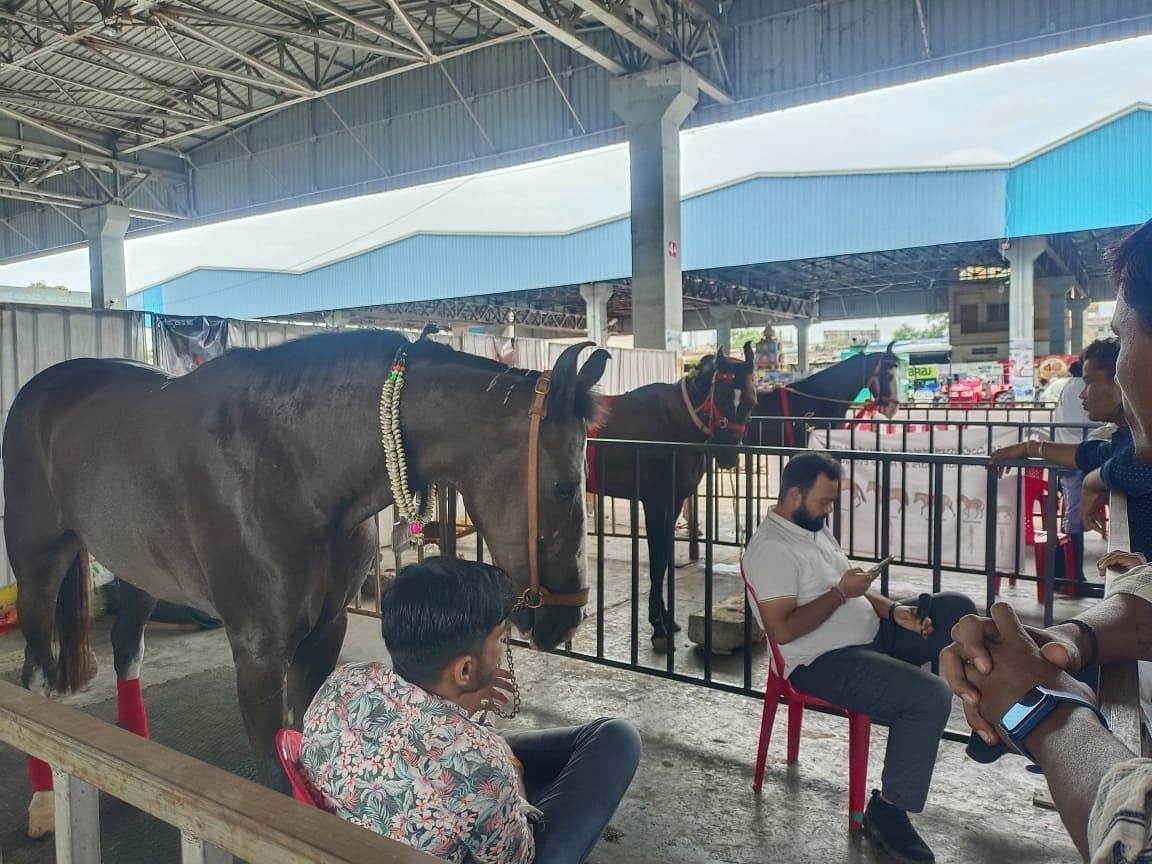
x: 806, y: 520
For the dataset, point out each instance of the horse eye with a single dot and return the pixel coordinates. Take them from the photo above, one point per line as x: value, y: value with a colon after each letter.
x: 565, y: 490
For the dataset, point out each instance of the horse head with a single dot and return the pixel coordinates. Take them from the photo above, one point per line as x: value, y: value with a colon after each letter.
x: 731, y: 384
x: 503, y: 519
x: 883, y: 383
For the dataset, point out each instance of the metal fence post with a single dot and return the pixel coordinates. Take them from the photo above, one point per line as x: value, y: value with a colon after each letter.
x: 77, y: 820
x: 193, y: 850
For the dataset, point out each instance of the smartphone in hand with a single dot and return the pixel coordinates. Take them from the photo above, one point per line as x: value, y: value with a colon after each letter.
x: 875, y: 569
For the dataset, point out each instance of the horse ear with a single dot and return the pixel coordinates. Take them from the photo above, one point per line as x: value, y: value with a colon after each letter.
x: 888, y: 350
x: 721, y: 353
x: 706, y: 366
x: 564, y: 389
x: 748, y: 355
x: 428, y: 330
x: 592, y: 370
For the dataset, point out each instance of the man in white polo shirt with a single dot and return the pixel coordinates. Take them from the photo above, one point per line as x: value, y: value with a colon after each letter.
x: 852, y: 646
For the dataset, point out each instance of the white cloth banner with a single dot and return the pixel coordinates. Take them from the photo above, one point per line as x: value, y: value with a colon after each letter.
x: 912, y: 501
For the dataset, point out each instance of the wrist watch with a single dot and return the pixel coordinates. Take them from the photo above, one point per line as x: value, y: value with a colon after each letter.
x: 1033, y: 708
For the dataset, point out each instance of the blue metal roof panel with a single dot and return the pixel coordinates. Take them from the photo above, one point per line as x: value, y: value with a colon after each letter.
x: 787, y: 218
x: 1100, y: 179
x: 418, y: 268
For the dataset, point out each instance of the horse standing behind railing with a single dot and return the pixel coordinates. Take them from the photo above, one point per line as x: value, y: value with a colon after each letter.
x: 246, y: 489
x: 710, y: 406
x: 826, y: 394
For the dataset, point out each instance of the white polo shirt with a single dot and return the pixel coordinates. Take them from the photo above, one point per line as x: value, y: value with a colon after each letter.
x: 785, y: 560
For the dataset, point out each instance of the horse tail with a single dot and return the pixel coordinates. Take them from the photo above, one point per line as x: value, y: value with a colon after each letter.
x: 74, y: 668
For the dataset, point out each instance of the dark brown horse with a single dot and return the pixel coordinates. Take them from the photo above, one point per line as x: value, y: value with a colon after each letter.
x: 827, y: 394
x: 712, y: 405
x: 246, y: 489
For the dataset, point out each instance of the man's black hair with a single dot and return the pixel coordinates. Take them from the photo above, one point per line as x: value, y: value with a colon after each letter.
x: 441, y: 609
x: 1103, y: 352
x: 1132, y: 272
x: 803, y: 469
x: 1076, y: 369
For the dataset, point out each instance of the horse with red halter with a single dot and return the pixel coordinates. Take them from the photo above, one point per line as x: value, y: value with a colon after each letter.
x: 247, y: 489
x: 824, y: 395
x: 710, y: 406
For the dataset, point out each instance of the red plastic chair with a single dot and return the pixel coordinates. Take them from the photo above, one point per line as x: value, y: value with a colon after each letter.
x: 288, y: 749
x: 859, y: 730
x: 1036, y: 498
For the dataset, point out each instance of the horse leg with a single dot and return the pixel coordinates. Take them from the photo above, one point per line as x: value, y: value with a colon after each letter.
x: 261, y: 666
x: 313, y: 662
x: 660, y: 521
x: 127, y: 653
x: 39, y: 577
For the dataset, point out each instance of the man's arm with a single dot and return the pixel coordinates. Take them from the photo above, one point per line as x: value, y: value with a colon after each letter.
x: 1076, y: 752
x: 1061, y: 454
x: 785, y: 621
x: 880, y: 604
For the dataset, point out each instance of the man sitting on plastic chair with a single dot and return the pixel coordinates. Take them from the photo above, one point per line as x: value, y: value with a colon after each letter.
x: 853, y: 647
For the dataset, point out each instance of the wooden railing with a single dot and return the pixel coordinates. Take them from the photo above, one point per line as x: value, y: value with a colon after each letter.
x: 219, y: 814
x: 1119, y: 682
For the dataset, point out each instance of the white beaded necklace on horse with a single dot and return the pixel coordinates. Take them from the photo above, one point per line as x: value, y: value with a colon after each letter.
x: 415, y: 508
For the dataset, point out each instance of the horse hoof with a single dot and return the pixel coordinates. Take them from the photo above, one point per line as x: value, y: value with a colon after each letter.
x: 41, y: 814
x: 662, y: 644
x: 675, y: 627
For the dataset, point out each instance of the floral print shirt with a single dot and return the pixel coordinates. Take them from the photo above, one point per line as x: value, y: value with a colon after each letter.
x: 412, y: 766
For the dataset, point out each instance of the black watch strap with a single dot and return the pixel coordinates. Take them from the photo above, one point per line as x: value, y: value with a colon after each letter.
x: 1086, y: 629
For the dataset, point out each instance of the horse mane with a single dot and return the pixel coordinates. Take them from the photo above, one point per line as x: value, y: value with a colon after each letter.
x: 330, y: 359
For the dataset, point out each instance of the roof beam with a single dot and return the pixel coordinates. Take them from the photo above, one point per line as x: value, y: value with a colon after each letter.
x: 628, y: 31
x: 562, y: 34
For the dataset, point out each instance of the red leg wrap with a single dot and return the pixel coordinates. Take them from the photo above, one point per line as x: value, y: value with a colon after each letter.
x: 130, y: 712
x: 40, y: 775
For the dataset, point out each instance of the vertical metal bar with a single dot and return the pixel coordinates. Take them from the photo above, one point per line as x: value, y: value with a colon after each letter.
x: 991, y: 495
x: 599, y: 468
x: 885, y: 521
x: 634, y: 530
x: 670, y: 579
x: 77, y: 819
x: 750, y: 463
x: 448, y: 541
x: 937, y: 486
x: 1050, y: 526
x: 693, y: 524
x: 709, y: 506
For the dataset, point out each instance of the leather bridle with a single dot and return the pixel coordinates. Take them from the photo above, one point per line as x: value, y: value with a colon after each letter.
x: 536, y: 594
x: 716, y: 418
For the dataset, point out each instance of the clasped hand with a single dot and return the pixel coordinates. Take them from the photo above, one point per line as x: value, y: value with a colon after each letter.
x: 906, y: 617
x: 995, y: 661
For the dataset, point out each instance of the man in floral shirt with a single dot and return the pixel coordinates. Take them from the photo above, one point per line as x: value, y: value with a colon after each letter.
x: 394, y: 749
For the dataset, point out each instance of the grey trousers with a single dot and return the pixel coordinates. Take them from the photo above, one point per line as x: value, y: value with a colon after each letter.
x: 885, y: 681
x: 576, y: 776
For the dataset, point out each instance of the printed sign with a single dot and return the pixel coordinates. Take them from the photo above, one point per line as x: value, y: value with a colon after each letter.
x: 912, y: 501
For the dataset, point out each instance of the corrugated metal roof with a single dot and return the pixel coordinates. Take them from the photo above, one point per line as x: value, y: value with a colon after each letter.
x: 1099, y: 180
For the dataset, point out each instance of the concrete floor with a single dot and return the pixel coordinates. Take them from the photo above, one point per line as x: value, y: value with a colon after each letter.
x: 691, y: 800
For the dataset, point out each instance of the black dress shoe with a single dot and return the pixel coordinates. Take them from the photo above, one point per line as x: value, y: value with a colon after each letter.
x: 888, y: 826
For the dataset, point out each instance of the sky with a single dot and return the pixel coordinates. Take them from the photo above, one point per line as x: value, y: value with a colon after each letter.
x: 993, y: 116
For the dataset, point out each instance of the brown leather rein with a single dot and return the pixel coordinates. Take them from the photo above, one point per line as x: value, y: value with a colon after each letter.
x: 536, y: 595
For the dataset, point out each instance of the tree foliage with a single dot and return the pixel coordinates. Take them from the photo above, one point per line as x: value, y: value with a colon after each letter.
x: 936, y: 327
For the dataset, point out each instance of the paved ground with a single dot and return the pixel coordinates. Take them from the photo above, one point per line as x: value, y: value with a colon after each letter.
x: 691, y: 800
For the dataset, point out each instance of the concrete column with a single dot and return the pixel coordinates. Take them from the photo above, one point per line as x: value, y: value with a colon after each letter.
x: 654, y: 104
x: 722, y: 318
x: 1021, y: 254
x: 105, y: 227
x: 1057, y: 288
x: 596, y: 296
x: 1077, y: 306
x: 802, y: 325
